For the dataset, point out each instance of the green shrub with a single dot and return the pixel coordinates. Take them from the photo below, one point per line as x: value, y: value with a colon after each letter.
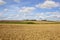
x: 31, y: 23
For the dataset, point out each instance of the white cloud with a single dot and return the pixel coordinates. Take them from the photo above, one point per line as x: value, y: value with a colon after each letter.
x: 17, y: 1
x: 55, y: 14
x: 52, y: 14
x: 2, y: 2
x: 5, y: 10
x: 26, y: 9
x: 49, y: 15
x: 48, y: 4
x: 48, y: 0
x: 41, y: 16
x: 0, y: 14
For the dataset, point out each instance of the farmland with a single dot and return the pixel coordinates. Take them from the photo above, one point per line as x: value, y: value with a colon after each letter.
x: 28, y: 22
x: 30, y: 31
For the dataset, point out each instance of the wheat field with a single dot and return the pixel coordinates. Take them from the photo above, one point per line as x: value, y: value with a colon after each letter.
x: 29, y: 31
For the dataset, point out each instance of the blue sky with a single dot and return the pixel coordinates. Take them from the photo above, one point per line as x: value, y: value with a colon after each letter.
x: 29, y: 9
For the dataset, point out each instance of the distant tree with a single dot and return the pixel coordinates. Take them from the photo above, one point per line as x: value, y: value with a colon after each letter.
x: 29, y: 20
x: 44, y: 20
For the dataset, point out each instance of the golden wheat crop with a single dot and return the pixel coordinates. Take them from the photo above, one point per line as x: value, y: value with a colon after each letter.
x: 29, y: 31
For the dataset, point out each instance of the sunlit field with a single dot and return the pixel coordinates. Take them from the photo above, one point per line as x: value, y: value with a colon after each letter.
x: 29, y: 31
x: 29, y: 19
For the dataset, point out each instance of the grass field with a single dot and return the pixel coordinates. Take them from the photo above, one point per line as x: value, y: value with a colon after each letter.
x: 29, y: 31
x: 29, y: 22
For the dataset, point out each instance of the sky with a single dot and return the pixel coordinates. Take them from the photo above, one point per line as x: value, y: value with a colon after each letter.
x: 30, y: 9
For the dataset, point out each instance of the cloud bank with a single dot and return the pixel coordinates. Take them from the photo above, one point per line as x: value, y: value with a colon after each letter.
x: 48, y: 4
